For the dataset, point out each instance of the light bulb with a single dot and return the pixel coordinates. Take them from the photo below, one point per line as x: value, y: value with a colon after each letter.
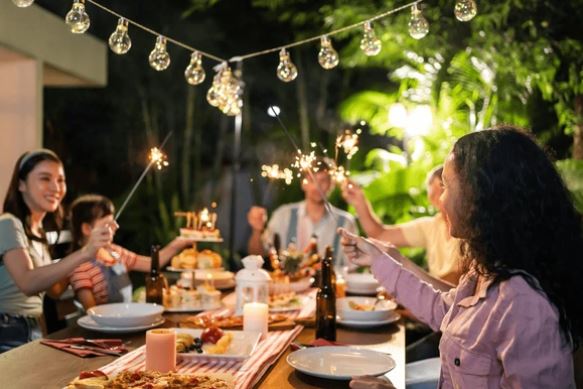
x: 159, y: 58
x: 370, y: 44
x: 418, y: 26
x: 286, y: 70
x: 119, y: 40
x: 23, y: 3
x: 77, y: 19
x: 225, y: 92
x: 465, y: 10
x: 327, y: 57
x: 194, y: 72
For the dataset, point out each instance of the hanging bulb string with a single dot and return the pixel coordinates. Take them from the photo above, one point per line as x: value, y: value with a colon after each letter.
x: 174, y: 41
x: 318, y: 37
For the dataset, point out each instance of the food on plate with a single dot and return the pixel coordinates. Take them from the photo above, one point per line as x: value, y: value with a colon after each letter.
x: 361, y: 307
x: 211, y: 341
x: 204, y: 296
x: 192, y: 233
x: 149, y: 379
x: 193, y: 259
x: 284, y: 300
x: 223, y: 322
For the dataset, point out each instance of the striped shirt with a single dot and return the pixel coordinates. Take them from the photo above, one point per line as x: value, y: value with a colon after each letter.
x: 91, y: 275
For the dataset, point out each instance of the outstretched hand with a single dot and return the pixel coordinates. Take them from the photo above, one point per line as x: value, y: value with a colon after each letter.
x: 358, y: 250
x: 369, y: 382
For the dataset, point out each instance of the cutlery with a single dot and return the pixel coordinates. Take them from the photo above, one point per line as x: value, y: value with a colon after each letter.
x: 96, y: 349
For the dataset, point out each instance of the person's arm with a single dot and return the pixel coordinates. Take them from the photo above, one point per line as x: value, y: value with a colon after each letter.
x: 256, y: 217
x: 86, y: 298
x: 31, y: 280
x: 58, y: 288
x: 143, y: 263
x: 370, y: 222
x: 425, y: 302
x: 408, y: 264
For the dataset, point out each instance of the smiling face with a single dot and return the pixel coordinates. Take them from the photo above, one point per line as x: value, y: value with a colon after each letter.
x: 317, y: 184
x: 451, y: 199
x: 44, y: 187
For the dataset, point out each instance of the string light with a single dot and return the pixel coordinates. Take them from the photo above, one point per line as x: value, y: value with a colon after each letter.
x: 159, y: 58
x: 418, y: 25
x: 286, y: 70
x: 119, y: 40
x: 194, y: 72
x: 23, y: 3
x: 158, y: 158
x: 465, y: 10
x: 327, y: 57
x: 77, y: 19
x: 370, y: 44
x: 225, y: 92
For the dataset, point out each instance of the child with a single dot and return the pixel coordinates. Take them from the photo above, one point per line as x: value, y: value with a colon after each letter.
x: 95, y: 283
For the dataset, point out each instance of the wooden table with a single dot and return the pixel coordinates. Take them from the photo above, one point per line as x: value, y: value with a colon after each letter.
x: 41, y: 367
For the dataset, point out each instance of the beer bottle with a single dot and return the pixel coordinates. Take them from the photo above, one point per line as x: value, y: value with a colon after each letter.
x: 155, y: 280
x: 326, y: 301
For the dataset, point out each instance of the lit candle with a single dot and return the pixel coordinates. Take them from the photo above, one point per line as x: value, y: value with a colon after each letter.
x: 161, y: 350
x: 255, y: 317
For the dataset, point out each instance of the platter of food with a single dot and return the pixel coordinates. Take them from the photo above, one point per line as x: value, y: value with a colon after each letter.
x: 214, y: 343
x: 275, y: 321
x: 191, y: 259
x: 284, y: 302
x: 96, y: 379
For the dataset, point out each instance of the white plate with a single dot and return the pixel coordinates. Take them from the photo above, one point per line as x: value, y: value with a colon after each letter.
x: 382, y: 309
x: 88, y: 323
x: 340, y: 362
x: 368, y: 324
x: 301, y: 301
x: 125, y: 314
x: 180, y: 270
x: 241, y: 347
x: 193, y: 309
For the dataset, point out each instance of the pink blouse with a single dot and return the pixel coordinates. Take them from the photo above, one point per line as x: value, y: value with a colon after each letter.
x: 503, y: 336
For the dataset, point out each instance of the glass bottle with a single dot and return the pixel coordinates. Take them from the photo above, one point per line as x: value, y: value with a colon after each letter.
x: 326, y: 302
x: 155, y: 280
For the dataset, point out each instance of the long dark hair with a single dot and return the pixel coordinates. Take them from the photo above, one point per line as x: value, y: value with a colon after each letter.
x: 14, y: 202
x: 87, y: 209
x: 521, y: 217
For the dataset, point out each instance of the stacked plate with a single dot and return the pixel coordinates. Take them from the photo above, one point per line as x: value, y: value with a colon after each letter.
x: 365, y: 312
x: 122, y: 317
x: 362, y: 284
x: 220, y: 279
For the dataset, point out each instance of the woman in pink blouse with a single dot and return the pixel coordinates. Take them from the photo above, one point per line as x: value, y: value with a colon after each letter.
x: 516, y: 316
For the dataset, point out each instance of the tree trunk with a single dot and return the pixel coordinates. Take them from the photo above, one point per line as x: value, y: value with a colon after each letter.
x: 185, y: 171
x: 578, y: 130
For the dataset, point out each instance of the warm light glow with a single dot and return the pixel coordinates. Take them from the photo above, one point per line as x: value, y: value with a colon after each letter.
x: 419, y: 121
x: 398, y: 115
x: 158, y: 158
x: 273, y: 111
x: 273, y: 172
x: 348, y: 142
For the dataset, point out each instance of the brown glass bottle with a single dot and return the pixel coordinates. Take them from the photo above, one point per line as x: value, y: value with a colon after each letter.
x: 326, y: 301
x: 155, y: 280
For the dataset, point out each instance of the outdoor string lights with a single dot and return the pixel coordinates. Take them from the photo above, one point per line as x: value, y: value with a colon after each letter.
x: 223, y: 93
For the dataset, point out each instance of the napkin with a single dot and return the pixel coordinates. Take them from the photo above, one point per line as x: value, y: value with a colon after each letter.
x: 319, y: 342
x: 87, y: 347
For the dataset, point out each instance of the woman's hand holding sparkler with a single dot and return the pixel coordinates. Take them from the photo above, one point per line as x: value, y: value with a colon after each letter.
x: 353, y: 194
x: 99, y: 241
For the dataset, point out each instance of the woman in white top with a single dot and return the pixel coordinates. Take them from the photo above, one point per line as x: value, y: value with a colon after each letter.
x: 32, y: 204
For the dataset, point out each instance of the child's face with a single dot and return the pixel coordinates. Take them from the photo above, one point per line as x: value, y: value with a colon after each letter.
x: 102, y: 222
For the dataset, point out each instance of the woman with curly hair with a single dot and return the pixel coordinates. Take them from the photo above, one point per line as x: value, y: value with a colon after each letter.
x: 516, y: 316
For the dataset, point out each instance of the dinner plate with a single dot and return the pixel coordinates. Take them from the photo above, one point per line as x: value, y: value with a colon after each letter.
x: 340, y: 362
x: 368, y: 324
x: 241, y: 347
x: 193, y: 309
x: 88, y: 323
x: 180, y: 270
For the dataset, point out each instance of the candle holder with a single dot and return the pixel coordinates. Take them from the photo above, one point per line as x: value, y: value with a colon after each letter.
x: 252, y: 283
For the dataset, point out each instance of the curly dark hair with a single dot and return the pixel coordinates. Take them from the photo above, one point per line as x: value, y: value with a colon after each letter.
x: 521, y: 217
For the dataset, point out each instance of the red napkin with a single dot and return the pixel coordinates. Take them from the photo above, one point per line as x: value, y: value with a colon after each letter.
x: 319, y: 342
x: 88, y: 347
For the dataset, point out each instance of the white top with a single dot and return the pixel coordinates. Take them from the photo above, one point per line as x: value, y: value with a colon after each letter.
x: 324, y: 229
x: 432, y: 234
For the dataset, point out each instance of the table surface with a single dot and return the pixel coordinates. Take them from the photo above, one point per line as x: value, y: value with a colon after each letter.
x: 37, y: 366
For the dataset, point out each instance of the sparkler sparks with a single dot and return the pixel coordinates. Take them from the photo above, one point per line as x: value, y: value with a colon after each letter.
x: 158, y: 158
x: 348, y: 141
x: 305, y: 162
x: 273, y: 172
x: 339, y: 174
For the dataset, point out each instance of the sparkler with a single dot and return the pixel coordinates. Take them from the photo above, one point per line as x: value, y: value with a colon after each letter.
x: 158, y: 158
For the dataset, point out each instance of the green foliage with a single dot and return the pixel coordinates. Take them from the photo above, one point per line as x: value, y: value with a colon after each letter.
x: 572, y: 172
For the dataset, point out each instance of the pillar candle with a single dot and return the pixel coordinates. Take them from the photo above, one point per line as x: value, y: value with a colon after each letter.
x: 161, y: 350
x: 255, y: 317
